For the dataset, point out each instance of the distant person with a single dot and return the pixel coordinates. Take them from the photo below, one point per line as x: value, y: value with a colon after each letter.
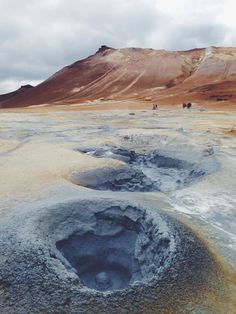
x: 154, y: 107
x: 189, y: 105
x: 184, y: 105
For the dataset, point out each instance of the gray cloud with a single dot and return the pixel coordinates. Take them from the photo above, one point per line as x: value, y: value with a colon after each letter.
x: 203, y: 35
x: 39, y: 37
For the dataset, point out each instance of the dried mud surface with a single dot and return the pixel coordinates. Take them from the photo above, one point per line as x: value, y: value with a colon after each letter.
x: 119, y: 211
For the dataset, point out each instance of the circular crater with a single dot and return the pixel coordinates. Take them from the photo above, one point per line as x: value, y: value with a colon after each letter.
x: 145, y: 172
x: 118, y: 249
x: 106, y: 254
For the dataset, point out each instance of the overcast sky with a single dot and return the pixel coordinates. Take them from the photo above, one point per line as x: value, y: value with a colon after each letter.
x: 38, y: 37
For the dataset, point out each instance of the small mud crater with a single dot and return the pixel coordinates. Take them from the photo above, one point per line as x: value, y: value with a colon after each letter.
x: 123, y: 178
x: 120, y: 249
x: 106, y: 254
x: 150, y: 171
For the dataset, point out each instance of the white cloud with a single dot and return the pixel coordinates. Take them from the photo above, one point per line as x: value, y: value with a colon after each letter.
x: 40, y: 37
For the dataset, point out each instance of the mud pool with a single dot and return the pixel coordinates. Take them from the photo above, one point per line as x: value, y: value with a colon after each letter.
x: 118, y: 212
x: 152, y: 171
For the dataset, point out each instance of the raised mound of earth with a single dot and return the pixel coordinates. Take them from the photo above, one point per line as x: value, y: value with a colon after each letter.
x: 72, y: 256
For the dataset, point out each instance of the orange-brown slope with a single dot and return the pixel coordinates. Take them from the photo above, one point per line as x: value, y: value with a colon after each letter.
x: 62, y: 83
x: 213, y: 79
x: 135, y: 73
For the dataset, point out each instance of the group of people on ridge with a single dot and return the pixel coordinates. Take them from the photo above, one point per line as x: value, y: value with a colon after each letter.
x: 188, y: 105
x: 154, y: 107
x: 185, y: 105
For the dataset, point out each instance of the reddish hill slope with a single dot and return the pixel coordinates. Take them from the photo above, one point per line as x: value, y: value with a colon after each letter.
x: 134, y: 73
x: 22, y: 89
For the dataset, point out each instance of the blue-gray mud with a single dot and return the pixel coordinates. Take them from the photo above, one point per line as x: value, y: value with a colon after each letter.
x: 103, y: 255
x: 150, y: 171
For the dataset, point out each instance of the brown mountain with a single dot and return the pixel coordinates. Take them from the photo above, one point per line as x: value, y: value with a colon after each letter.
x: 134, y: 73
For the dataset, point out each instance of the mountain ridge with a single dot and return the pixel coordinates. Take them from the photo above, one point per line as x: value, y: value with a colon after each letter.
x: 138, y: 74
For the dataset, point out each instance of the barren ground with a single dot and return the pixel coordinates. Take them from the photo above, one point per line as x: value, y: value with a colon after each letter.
x: 42, y: 164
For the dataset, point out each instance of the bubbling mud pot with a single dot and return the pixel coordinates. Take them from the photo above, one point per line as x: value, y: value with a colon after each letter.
x: 145, y: 172
x: 104, y: 254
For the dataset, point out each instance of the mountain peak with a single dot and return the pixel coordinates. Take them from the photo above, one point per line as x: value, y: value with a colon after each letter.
x: 104, y: 48
x: 26, y: 86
